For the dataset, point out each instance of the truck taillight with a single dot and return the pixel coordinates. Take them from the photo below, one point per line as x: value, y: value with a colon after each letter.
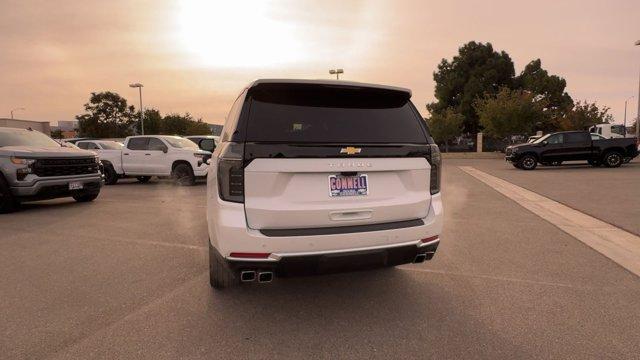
x: 435, y: 160
x: 231, y: 173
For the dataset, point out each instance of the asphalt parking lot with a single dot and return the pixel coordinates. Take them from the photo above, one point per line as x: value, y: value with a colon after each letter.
x: 126, y: 277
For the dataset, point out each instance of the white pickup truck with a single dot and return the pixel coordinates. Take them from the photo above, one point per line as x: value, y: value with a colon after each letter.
x: 150, y: 155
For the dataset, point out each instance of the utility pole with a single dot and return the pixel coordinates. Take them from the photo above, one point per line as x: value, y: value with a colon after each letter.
x: 638, y: 118
x: 12, y: 110
x: 625, y: 115
x: 337, y: 72
x: 140, y: 86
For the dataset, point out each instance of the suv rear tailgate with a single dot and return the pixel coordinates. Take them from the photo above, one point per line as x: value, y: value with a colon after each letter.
x: 295, y: 193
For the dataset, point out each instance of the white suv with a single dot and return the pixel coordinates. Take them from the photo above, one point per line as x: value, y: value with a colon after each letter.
x: 315, y: 177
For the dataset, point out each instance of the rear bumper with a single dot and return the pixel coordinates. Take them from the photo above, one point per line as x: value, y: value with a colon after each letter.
x: 337, y: 261
x: 228, y: 232
x: 50, y: 188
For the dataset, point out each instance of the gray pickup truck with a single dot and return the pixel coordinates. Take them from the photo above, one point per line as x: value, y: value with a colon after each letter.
x: 35, y: 167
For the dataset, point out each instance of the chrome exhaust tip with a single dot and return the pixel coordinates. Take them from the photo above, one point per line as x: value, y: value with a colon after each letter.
x: 420, y: 258
x: 265, y: 277
x: 247, y: 276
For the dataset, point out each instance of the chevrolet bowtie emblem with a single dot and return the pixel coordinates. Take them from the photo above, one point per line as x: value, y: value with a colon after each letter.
x: 350, y: 150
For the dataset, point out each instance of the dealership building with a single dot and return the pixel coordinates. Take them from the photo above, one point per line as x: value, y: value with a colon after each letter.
x: 42, y: 126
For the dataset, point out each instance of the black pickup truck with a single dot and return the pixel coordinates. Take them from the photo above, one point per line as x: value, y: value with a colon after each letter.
x: 553, y: 149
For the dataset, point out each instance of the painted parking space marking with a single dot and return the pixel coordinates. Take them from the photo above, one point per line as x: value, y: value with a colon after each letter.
x: 618, y: 245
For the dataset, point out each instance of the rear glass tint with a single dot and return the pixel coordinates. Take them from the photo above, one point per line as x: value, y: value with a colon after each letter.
x: 332, y: 114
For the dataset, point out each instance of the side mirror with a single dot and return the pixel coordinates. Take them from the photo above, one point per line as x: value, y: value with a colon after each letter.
x: 208, y: 161
x: 544, y: 143
x: 165, y: 150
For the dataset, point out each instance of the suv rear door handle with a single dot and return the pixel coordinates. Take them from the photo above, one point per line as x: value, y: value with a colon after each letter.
x: 147, y: 154
x: 125, y: 154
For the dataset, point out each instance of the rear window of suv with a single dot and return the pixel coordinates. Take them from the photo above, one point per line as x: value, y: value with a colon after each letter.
x: 302, y: 113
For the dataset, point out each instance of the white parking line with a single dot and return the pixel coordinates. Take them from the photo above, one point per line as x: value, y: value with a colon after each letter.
x: 618, y: 245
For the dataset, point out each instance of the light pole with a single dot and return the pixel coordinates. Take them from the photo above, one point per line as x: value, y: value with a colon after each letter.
x: 638, y: 118
x: 625, y: 115
x: 140, y: 86
x: 337, y: 72
x: 12, y: 110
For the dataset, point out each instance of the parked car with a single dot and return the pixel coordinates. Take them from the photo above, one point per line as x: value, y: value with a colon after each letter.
x: 571, y: 146
x: 321, y: 176
x: 35, y: 167
x: 145, y: 156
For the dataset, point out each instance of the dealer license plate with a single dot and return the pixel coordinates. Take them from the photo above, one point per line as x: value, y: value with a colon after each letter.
x: 75, y: 185
x: 341, y: 185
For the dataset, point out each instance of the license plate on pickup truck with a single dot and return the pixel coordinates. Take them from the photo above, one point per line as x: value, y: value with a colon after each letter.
x: 76, y: 185
x: 343, y: 185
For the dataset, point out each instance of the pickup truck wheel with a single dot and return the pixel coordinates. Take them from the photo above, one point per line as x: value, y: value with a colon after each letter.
x: 143, y: 179
x: 183, y: 175
x: 86, y: 197
x: 110, y: 175
x: 220, y: 276
x: 8, y: 202
x: 612, y: 159
x: 528, y: 162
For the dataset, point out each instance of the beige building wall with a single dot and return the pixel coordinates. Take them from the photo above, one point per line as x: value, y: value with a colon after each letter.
x: 42, y: 126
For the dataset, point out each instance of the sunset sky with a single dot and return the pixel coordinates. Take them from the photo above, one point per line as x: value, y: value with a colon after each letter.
x: 195, y: 56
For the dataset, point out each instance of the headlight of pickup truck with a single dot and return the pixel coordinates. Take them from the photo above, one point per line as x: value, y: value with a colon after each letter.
x: 25, y: 170
x: 22, y: 161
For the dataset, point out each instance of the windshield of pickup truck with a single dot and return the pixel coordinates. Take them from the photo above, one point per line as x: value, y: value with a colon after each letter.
x: 181, y: 143
x: 545, y: 137
x: 26, y: 138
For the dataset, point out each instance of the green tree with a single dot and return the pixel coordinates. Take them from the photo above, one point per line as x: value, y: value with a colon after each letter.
x: 152, y: 122
x: 107, y: 115
x: 550, y: 88
x: 56, y: 134
x: 477, y: 70
x: 584, y: 115
x: 445, y: 126
x: 198, y: 127
x: 510, y: 112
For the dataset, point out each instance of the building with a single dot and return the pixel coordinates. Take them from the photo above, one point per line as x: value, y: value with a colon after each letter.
x: 67, y: 125
x: 42, y: 126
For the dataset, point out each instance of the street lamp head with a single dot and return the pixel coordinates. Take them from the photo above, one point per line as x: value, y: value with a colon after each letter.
x: 136, y: 85
x: 340, y: 71
x: 332, y: 72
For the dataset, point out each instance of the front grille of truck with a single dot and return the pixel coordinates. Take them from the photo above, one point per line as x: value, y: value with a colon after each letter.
x: 65, y: 166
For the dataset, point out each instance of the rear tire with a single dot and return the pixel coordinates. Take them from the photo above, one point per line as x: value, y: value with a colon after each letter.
x: 86, y: 197
x: 183, y: 175
x: 612, y: 159
x: 110, y: 175
x: 527, y: 162
x: 143, y: 179
x: 8, y: 202
x: 220, y: 277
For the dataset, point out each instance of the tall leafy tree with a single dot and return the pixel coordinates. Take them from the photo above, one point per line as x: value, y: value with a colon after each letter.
x: 445, y: 126
x: 107, y: 115
x: 152, y: 122
x: 477, y: 70
x: 584, y: 115
x: 510, y: 112
x: 550, y: 88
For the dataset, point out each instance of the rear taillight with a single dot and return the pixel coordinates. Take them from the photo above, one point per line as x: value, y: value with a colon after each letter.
x: 435, y: 160
x: 231, y: 173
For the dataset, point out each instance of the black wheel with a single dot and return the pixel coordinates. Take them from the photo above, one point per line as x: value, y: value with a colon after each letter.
x: 86, y: 197
x: 183, y: 175
x: 220, y: 276
x: 612, y: 159
x: 143, y: 179
x: 528, y: 162
x: 110, y: 175
x: 8, y: 202
x: 594, y: 163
